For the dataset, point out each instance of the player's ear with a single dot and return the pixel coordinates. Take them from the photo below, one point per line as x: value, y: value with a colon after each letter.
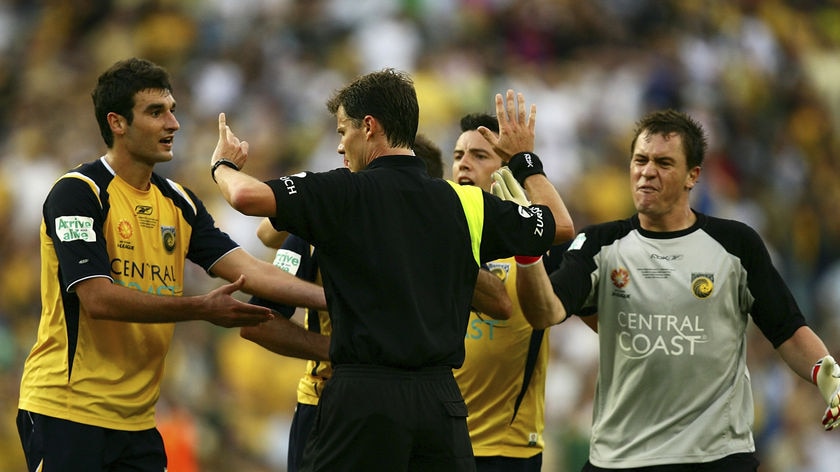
x: 693, y: 177
x: 117, y: 122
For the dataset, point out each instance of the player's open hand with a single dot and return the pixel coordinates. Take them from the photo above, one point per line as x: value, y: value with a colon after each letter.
x: 516, y: 128
x: 228, y: 312
x: 229, y: 146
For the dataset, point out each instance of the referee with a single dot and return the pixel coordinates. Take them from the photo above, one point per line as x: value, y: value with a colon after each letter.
x: 400, y: 253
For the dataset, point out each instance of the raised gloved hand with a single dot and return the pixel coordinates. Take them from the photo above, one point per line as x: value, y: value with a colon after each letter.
x: 826, y: 375
x: 507, y: 188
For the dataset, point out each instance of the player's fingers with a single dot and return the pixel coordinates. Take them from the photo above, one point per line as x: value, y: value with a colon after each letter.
x: 830, y: 418
x: 489, y: 135
x: 500, y: 110
x: 222, y: 126
x: 532, y: 118
x: 510, y: 180
x: 520, y: 103
x: 496, y: 189
x: 236, y: 285
x: 511, y: 105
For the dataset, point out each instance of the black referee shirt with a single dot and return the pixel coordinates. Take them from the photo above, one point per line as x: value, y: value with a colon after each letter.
x: 396, y: 255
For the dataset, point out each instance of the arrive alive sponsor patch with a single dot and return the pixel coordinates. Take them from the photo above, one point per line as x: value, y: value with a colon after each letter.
x: 287, y: 260
x: 75, y: 228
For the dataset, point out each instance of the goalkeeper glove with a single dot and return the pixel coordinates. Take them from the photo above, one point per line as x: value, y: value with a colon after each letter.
x: 507, y: 188
x: 826, y: 374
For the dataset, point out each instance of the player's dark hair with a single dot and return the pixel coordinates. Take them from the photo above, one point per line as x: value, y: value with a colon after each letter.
x: 387, y: 95
x: 472, y: 121
x: 665, y: 122
x: 426, y: 149
x: 116, y: 87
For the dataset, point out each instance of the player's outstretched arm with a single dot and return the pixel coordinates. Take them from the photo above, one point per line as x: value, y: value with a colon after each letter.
x: 807, y: 355
x: 285, y: 337
x: 105, y: 300
x: 266, y: 281
x: 269, y: 236
x: 536, y: 296
x: 490, y: 296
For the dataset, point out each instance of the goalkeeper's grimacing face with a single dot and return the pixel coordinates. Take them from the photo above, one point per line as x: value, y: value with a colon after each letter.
x: 473, y: 161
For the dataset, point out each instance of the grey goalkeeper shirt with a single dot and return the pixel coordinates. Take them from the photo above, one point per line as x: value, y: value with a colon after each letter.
x: 673, y: 386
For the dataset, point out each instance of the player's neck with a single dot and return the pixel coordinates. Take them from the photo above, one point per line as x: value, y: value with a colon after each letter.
x: 135, y: 173
x: 676, y: 220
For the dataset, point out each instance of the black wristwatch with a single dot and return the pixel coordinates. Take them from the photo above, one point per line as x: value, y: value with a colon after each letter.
x: 222, y: 162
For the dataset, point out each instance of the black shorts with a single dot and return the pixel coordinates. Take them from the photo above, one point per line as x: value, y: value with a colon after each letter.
x: 743, y: 462
x: 508, y: 464
x: 302, y: 423
x: 379, y: 418
x: 55, y: 444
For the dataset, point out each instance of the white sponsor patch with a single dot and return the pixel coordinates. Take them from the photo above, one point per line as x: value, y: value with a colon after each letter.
x: 578, y: 242
x: 287, y: 260
x: 523, y: 212
x: 73, y: 228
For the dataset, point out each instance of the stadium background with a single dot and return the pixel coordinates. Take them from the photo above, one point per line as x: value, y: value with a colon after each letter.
x: 762, y: 76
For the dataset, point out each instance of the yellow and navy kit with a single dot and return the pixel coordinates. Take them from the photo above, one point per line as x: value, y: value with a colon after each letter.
x: 102, y: 372
x: 503, y: 377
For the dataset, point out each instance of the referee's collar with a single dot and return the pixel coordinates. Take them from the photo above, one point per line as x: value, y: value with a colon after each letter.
x: 403, y: 161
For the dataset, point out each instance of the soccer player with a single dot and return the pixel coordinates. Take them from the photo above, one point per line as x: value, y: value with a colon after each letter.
x: 673, y: 290
x: 115, y: 238
x: 504, y: 371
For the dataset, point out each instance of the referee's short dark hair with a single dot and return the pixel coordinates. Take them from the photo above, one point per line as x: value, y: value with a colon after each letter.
x: 387, y: 95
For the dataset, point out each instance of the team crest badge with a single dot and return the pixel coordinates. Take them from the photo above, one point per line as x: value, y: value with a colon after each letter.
x: 499, y: 269
x: 168, y: 235
x: 702, y: 285
x: 620, y: 277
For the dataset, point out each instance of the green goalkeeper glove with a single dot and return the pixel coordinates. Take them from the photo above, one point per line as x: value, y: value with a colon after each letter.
x: 507, y: 188
x: 826, y: 374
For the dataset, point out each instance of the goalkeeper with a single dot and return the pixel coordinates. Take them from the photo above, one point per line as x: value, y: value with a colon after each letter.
x: 673, y: 290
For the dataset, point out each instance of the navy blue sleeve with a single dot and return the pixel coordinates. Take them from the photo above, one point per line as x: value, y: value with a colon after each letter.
x: 295, y: 257
x: 207, y: 242
x: 73, y: 219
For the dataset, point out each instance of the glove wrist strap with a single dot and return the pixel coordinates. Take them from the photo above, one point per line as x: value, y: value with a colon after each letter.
x: 526, y: 261
x: 815, y: 370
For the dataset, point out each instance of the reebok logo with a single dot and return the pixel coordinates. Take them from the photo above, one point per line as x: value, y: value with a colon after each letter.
x: 528, y: 160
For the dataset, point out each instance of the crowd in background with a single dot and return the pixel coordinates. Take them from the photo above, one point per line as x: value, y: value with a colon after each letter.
x: 760, y: 75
